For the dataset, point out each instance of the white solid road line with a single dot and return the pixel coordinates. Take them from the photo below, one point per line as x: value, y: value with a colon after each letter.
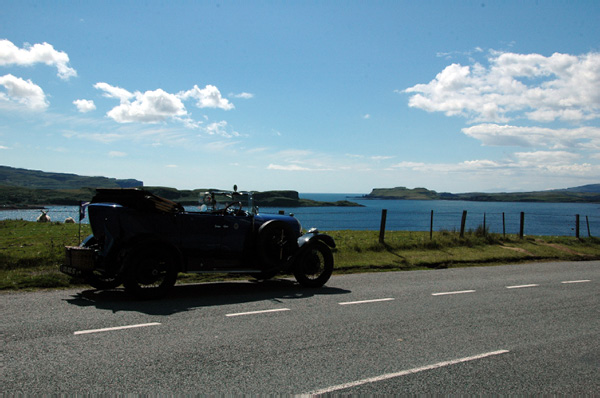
x: 366, y: 301
x: 403, y: 373
x: 456, y: 292
x: 258, y: 312
x: 521, y: 286
x: 141, y: 325
x: 579, y: 281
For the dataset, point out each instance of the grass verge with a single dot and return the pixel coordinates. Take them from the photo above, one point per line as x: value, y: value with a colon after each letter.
x: 30, y: 253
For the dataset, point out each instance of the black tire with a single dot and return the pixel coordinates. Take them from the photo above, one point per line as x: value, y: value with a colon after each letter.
x: 150, y: 271
x: 277, y: 241
x: 102, y: 281
x: 97, y: 279
x: 314, y: 266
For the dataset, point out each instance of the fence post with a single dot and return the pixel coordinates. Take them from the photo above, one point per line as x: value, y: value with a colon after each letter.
x: 484, y: 234
x: 382, y: 226
x: 522, y: 228
x: 431, y: 226
x: 577, y: 226
x: 587, y: 221
x: 503, y: 226
x: 462, y: 224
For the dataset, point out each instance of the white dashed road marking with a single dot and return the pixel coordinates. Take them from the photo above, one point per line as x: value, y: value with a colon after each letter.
x: 404, y: 373
x: 521, y: 286
x: 366, y: 301
x: 141, y: 325
x: 456, y: 292
x: 580, y: 281
x: 258, y: 312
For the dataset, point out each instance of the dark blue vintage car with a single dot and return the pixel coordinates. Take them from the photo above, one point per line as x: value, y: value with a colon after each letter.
x: 143, y: 241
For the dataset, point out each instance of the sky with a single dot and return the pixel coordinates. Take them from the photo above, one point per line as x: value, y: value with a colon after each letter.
x: 313, y: 96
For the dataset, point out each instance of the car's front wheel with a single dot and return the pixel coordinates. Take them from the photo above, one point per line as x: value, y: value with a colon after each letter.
x: 150, y: 271
x: 314, y: 266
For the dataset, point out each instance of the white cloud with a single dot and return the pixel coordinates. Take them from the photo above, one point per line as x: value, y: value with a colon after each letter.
x: 208, y: 97
x: 116, y: 154
x: 114, y: 92
x: 242, y: 95
x: 159, y: 106
x: 23, y: 92
x: 149, y: 107
x: 221, y: 128
x: 38, y: 53
x: 507, y: 135
x: 84, y: 106
x: 290, y: 167
x: 543, y: 89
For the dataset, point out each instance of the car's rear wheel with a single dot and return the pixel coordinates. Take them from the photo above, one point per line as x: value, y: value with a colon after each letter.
x: 102, y: 281
x: 150, y: 271
x: 314, y: 266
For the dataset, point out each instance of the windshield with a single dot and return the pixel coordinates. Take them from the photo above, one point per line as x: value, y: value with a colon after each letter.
x: 220, y: 200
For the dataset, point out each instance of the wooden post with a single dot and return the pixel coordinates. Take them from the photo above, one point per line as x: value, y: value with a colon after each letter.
x: 382, y: 226
x: 484, y: 224
x: 587, y: 221
x: 503, y: 226
x: 431, y: 226
x: 522, y: 228
x: 462, y: 224
x: 577, y: 226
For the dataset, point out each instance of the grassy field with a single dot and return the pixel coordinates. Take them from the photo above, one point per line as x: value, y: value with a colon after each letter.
x: 30, y: 253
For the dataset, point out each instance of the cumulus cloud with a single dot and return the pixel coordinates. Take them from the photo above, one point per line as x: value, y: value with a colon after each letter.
x: 148, y: 107
x: 84, y: 106
x: 207, y: 97
x: 38, y: 53
x: 23, y: 92
x: 543, y: 89
x: 158, y: 106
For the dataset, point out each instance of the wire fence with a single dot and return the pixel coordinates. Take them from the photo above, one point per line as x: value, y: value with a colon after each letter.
x: 582, y: 222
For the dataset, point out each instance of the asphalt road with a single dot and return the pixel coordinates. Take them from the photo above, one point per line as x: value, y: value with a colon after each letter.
x: 517, y: 329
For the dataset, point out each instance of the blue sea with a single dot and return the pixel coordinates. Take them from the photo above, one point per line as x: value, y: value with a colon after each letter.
x: 414, y: 215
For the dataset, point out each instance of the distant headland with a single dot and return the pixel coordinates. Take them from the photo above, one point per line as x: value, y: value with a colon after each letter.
x: 581, y: 194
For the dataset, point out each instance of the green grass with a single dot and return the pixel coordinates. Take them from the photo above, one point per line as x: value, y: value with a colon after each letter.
x: 30, y: 252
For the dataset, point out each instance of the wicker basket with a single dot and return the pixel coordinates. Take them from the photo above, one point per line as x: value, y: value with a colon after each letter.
x: 80, y: 257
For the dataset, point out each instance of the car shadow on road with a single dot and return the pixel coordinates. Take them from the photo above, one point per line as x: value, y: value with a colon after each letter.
x: 193, y: 296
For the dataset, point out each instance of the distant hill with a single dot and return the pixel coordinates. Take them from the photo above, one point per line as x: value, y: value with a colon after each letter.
x: 36, y: 179
x: 585, y: 193
x: 21, y: 188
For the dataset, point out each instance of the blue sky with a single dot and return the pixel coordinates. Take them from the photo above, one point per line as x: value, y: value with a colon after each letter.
x: 314, y: 96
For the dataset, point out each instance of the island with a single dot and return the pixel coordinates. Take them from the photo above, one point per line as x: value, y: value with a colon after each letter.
x: 582, y: 194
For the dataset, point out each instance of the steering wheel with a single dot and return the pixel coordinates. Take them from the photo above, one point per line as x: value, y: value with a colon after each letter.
x: 230, y: 205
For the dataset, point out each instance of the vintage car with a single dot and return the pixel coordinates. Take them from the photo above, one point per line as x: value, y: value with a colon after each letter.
x: 143, y: 241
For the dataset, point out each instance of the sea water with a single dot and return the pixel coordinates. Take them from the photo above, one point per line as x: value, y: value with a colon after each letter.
x: 412, y: 215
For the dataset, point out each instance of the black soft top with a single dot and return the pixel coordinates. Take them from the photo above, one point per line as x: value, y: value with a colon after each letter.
x: 137, y: 199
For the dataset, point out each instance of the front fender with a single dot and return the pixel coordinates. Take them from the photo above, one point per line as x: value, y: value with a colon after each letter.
x: 312, y: 236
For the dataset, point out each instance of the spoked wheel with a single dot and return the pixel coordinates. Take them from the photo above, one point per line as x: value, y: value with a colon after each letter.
x: 150, y: 271
x: 276, y: 243
x: 315, y: 265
